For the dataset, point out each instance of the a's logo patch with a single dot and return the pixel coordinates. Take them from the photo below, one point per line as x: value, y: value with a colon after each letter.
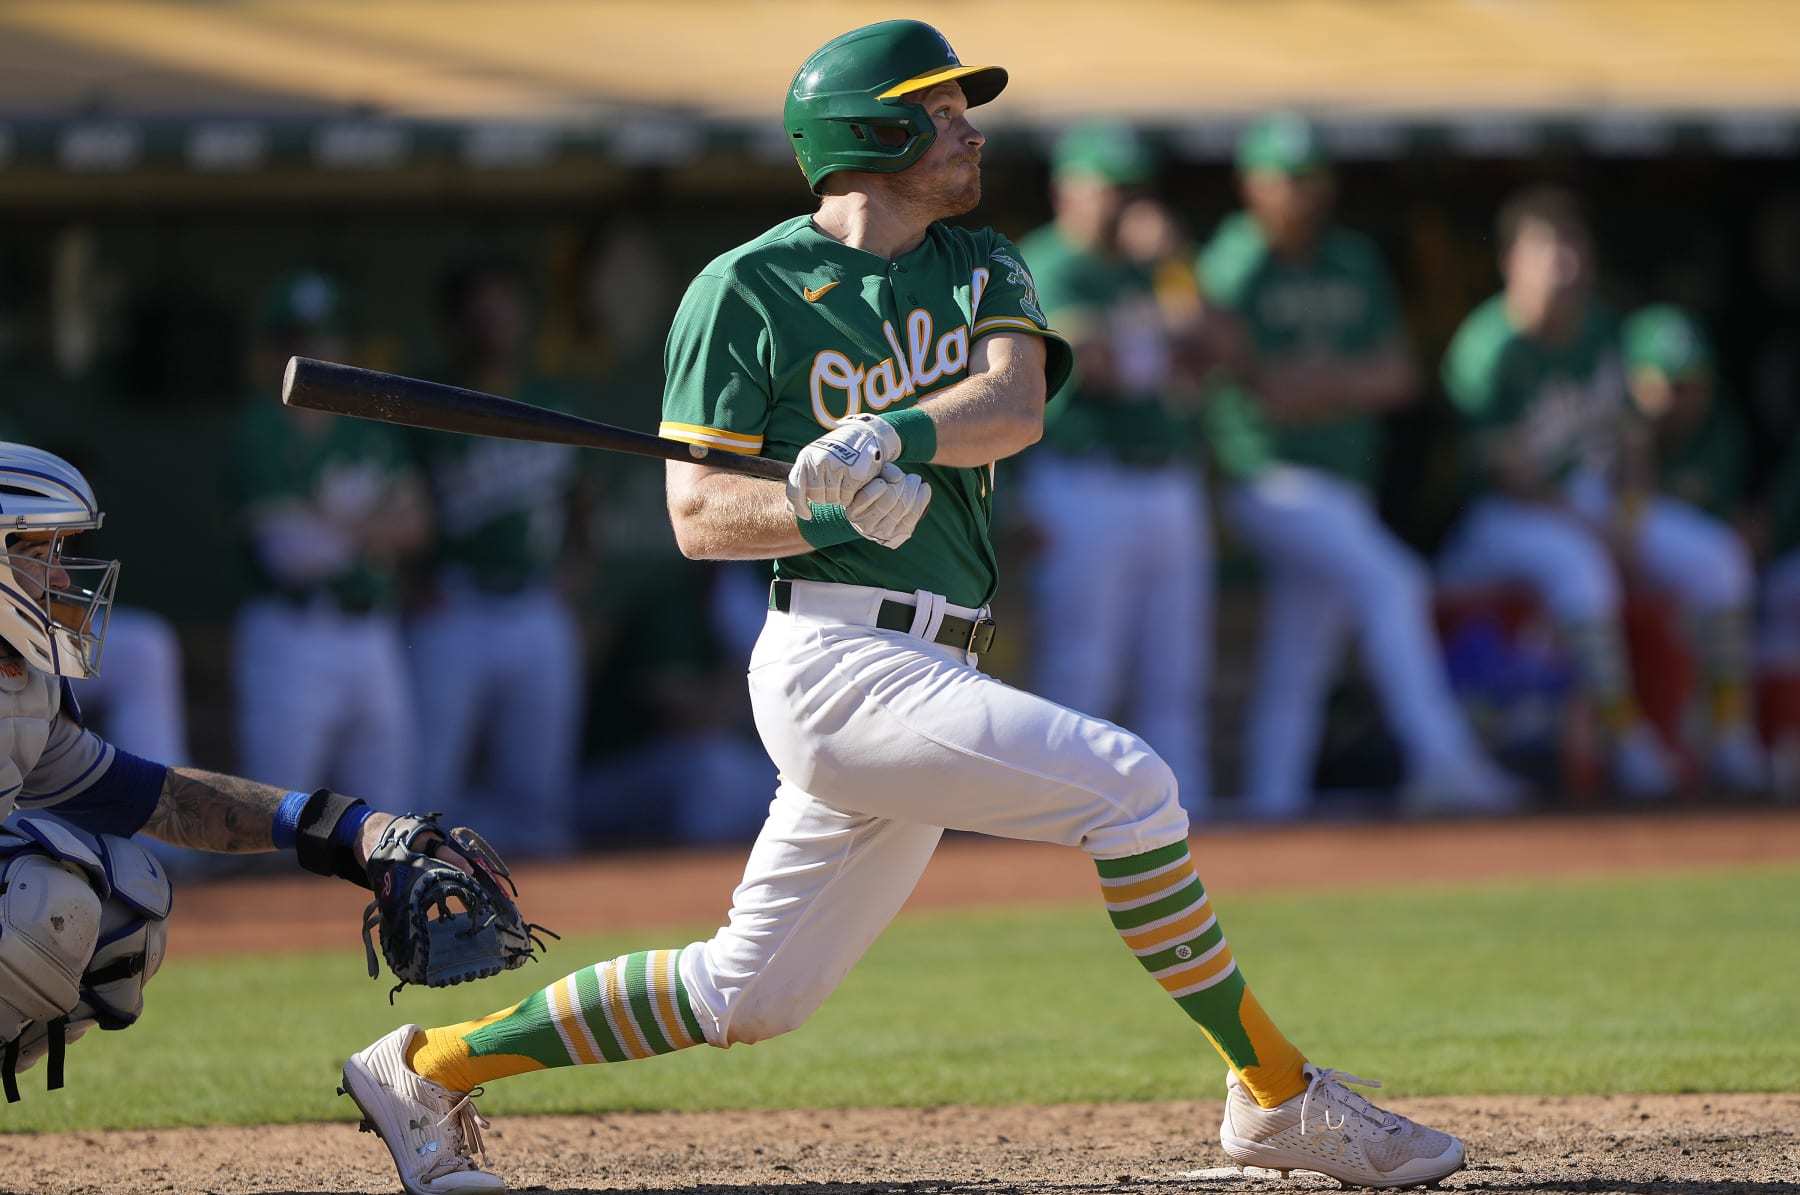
x: 1019, y: 276
x: 1184, y: 952
x: 813, y: 294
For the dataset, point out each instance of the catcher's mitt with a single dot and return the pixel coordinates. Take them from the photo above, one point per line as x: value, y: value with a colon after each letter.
x: 439, y: 924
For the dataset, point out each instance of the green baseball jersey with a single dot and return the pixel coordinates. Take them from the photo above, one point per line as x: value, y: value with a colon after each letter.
x: 1109, y: 297
x: 1338, y: 304
x: 1569, y: 398
x: 500, y: 507
x: 782, y: 337
x: 1707, y: 467
x: 346, y: 473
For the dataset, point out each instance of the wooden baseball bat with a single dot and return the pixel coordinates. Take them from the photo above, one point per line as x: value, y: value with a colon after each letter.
x: 414, y: 402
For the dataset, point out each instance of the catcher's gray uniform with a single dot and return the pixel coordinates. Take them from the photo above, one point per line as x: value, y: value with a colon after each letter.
x: 82, y: 907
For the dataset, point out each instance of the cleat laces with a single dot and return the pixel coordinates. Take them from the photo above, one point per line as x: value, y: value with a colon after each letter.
x: 462, y: 1125
x: 1333, y: 1091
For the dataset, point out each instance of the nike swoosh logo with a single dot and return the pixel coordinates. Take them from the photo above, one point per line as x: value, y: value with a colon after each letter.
x: 813, y: 296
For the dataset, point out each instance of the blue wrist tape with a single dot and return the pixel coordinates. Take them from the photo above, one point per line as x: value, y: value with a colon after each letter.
x: 349, y: 827
x: 287, y: 820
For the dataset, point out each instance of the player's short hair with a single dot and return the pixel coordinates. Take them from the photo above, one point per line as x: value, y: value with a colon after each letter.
x: 1542, y: 203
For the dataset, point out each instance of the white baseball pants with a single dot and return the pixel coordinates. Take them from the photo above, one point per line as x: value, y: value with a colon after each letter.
x: 138, y: 693
x: 323, y: 700
x: 1780, y: 646
x: 1123, y: 601
x: 1333, y: 567
x: 505, y: 670
x: 883, y: 740
x: 1682, y: 550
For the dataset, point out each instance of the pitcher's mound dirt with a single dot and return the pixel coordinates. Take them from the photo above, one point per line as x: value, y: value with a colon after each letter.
x: 1629, y: 1145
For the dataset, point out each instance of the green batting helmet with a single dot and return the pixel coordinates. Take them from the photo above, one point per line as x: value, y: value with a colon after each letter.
x: 845, y: 109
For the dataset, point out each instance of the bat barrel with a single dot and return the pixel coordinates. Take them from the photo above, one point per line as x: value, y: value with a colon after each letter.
x: 413, y: 402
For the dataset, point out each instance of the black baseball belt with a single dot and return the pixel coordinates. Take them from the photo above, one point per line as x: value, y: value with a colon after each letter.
x: 973, y: 635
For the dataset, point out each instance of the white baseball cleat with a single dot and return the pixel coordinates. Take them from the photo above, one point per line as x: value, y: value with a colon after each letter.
x: 1472, y: 785
x: 433, y: 1133
x: 1333, y: 1131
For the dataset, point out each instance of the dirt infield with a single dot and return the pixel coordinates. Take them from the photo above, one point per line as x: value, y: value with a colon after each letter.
x: 1644, y: 1145
x: 1631, y: 1145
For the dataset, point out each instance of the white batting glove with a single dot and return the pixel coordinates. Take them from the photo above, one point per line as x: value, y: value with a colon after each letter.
x: 839, y: 463
x: 888, y: 508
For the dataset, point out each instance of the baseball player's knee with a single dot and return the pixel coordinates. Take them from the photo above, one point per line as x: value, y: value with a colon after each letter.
x: 1725, y: 582
x: 1144, y: 811
x: 756, y: 1018
x: 745, y: 988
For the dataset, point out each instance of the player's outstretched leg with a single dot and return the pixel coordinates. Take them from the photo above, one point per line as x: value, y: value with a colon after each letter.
x: 416, y: 1087
x: 1281, y: 1112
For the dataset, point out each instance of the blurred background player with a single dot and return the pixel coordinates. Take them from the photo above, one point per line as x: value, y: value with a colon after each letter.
x: 669, y: 748
x: 1779, y: 649
x: 1123, y: 579
x: 1699, y: 466
x: 137, y: 701
x: 497, y: 656
x: 1559, y: 486
x: 1298, y: 438
x: 331, y: 507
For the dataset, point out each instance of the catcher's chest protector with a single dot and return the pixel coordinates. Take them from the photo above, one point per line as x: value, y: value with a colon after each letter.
x: 82, y: 929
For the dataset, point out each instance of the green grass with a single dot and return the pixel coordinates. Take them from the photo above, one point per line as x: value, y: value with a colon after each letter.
x: 1680, y: 983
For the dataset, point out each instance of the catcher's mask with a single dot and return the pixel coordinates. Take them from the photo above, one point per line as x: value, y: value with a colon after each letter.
x: 54, y: 608
x: 846, y: 108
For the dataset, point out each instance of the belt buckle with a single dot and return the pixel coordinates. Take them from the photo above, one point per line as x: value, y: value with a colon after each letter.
x: 975, y: 629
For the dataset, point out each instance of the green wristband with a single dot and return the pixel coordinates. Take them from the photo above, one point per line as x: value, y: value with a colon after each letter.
x: 918, y: 434
x: 829, y: 526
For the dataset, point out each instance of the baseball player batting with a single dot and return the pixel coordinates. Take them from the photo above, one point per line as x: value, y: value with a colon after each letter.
x: 895, y: 359
x: 83, y: 905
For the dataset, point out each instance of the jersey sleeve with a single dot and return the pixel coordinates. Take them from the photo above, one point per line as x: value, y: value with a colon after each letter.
x: 1008, y: 302
x: 1229, y: 262
x: 718, y: 389
x: 1471, y: 372
x: 74, y: 759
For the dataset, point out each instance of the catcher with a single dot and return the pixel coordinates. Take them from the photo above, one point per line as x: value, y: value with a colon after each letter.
x: 84, y: 907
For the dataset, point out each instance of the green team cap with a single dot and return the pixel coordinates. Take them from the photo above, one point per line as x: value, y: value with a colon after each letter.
x: 847, y: 109
x: 307, y: 301
x: 1665, y: 339
x: 1112, y: 153
x: 1283, y: 143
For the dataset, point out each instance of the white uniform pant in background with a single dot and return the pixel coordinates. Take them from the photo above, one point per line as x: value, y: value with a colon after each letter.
x: 883, y: 739
x: 1779, y: 648
x: 1692, y: 556
x: 323, y: 701
x: 502, y: 673
x: 1332, y: 567
x: 1123, y: 602
x: 138, y: 695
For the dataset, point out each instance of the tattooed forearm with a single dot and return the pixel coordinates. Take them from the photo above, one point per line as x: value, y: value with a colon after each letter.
x: 214, y: 812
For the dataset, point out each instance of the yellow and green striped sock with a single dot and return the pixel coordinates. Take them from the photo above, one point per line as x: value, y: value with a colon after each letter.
x: 632, y: 1007
x: 1160, y: 908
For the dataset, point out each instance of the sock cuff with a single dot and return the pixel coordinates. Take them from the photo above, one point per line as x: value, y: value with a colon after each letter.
x: 1143, y: 861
